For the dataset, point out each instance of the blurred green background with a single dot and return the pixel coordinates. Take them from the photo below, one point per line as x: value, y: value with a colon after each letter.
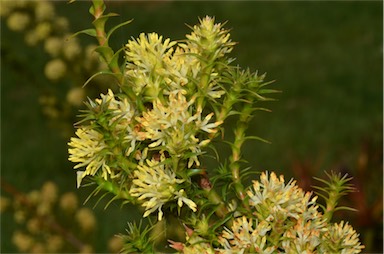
x: 326, y: 58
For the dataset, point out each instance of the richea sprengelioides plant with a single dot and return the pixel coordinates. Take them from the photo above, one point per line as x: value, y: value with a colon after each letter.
x: 146, y: 141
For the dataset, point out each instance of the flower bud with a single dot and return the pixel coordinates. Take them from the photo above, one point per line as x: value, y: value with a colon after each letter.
x: 18, y: 21
x: 55, y: 69
x: 53, y: 46
x: 44, y: 11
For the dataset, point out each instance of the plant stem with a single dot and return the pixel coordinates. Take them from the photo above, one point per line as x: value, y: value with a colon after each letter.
x: 99, y: 24
x: 234, y: 159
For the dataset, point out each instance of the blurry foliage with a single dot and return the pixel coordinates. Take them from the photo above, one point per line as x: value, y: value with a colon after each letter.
x: 327, y: 58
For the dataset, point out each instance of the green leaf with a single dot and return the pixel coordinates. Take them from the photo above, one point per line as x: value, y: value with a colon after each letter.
x: 115, y: 58
x: 258, y: 138
x: 100, y: 21
x: 97, y: 4
x: 346, y: 208
x: 100, y: 73
x: 264, y: 91
x: 90, y: 32
x: 117, y: 27
x: 104, y: 52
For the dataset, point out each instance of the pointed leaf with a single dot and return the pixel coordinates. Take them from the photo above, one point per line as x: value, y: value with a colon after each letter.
x: 104, y: 51
x: 100, y: 73
x: 258, y: 138
x: 117, y: 27
x: 90, y: 32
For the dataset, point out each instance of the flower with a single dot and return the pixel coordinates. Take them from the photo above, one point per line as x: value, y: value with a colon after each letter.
x: 245, y: 236
x: 211, y: 39
x: 175, y: 127
x: 155, y: 184
x: 275, y: 200
x: 88, y: 151
x: 147, y: 62
x: 341, y: 238
x: 120, y: 109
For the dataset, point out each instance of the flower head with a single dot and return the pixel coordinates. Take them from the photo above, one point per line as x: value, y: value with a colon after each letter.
x: 275, y: 200
x: 155, y: 184
x: 175, y: 127
x: 147, y: 59
x: 211, y: 39
x: 245, y: 236
x: 341, y: 238
x: 88, y: 151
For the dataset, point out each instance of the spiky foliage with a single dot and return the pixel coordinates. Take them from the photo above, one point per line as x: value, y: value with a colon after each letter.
x: 148, y: 140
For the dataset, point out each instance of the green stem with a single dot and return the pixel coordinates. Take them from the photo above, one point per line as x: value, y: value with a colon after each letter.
x: 101, y: 35
x: 234, y: 159
x: 203, y: 85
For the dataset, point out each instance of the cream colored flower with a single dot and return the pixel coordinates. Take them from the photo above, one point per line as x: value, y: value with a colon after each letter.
x: 245, y: 236
x: 147, y: 58
x: 274, y: 199
x: 148, y: 53
x: 121, y: 110
x: 176, y: 127
x: 155, y: 185
x: 341, y: 238
x: 303, y: 236
x: 210, y: 38
x: 88, y: 151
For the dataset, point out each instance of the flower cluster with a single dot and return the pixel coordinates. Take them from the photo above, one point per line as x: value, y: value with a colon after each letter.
x: 157, y: 184
x: 144, y: 143
x: 148, y: 144
x: 284, y: 219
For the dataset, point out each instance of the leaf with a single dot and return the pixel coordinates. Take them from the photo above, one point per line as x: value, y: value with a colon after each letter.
x: 97, y: 5
x: 90, y: 32
x: 117, y: 27
x: 99, y: 73
x: 100, y: 21
x: 104, y: 52
x: 264, y: 91
x: 346, y: 208
x: 115, y: 58
x: 258, y: 138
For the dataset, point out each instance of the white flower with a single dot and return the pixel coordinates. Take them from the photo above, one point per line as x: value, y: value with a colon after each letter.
x: 88, y: 151
x: 155, y: 185
x: 175, y: 127
x: 245, y: 236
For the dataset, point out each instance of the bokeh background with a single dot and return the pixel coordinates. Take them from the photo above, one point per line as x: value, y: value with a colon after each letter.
x: 325, y: 57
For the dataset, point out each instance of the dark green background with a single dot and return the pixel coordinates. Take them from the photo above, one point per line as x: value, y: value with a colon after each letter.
x: 326, y: 58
